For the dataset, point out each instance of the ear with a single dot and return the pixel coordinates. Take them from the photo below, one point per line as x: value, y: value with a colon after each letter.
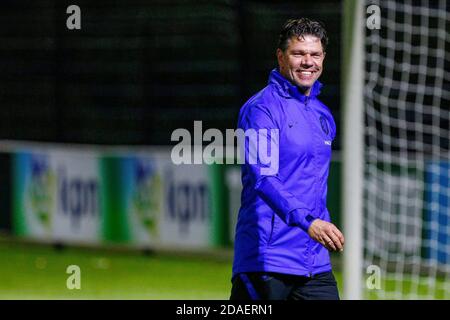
x: 280, y: 57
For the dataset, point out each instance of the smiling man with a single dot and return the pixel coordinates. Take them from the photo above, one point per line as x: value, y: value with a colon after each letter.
x: 301, y: 59
x: 283, y: 233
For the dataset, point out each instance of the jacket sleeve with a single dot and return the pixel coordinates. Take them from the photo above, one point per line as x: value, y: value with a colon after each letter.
x: 264, y: 174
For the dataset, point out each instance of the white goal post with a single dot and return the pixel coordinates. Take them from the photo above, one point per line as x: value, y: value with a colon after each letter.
x: 352, y: 155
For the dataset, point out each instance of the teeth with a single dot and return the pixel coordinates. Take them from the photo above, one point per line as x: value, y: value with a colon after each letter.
x: 306, y: 73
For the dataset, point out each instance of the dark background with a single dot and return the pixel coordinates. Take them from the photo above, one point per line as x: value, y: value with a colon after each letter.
x: 137, y: 70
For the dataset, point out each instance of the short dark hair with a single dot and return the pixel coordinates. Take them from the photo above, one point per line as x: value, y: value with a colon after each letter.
x: 302, y: 27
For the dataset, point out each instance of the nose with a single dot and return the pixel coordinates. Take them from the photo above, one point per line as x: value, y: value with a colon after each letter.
x: 307, y: 61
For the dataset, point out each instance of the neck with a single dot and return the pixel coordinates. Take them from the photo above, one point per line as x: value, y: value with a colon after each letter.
x: 305, y: 90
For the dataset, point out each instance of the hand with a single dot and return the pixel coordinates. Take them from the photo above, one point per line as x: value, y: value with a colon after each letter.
x: 327, y: 234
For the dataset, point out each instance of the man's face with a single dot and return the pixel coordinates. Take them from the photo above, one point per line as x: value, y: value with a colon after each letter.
x: 301, y: 62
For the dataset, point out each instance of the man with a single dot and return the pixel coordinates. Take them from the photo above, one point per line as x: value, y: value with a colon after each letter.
x: 283, y: 233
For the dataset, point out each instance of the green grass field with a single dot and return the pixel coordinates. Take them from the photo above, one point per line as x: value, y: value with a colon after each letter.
x: 39, y: 272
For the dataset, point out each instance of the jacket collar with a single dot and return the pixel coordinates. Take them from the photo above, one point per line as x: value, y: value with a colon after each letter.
x: 288, y: 90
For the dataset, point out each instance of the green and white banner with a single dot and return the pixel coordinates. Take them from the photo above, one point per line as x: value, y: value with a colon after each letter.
x: 149, y: 200
x: 138, y: 198
x: 56, y: 195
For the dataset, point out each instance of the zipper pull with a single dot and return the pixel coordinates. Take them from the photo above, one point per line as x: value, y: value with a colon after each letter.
x: 306, y: 103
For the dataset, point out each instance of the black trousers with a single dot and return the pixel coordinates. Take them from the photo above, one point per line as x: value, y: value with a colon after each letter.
x: 276, y: 286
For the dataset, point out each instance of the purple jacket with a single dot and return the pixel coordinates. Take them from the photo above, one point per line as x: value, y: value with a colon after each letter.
x: 277, y: 209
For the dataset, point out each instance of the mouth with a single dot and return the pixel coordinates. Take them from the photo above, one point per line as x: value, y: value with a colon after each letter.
x: 306, y: 75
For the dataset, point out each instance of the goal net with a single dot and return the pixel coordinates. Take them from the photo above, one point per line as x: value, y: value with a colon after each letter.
x: 406, y: 158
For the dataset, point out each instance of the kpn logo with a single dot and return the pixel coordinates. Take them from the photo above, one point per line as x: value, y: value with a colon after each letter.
x: 146, y: 199
x: 42, y: 189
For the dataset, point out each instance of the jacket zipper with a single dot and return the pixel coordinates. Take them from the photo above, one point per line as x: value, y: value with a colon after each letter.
x: 309, y: 258
x: 310, y: 274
